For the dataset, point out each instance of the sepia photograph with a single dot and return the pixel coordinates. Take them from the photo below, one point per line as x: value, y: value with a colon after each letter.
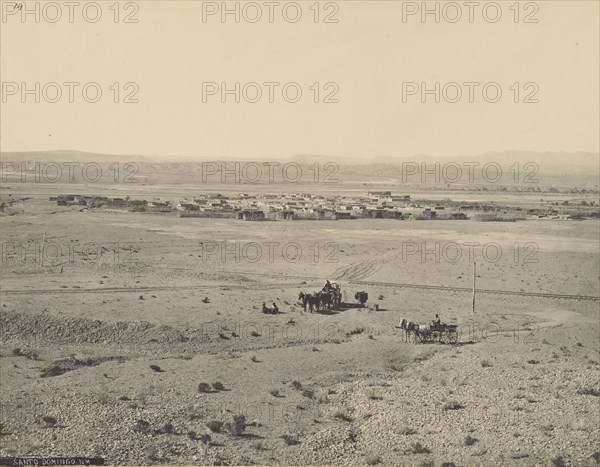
x: 300, y: 233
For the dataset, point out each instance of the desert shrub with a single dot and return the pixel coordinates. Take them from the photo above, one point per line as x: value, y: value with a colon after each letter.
x: 290, y: 440
x: 218, y: 386
x: 215, y: 426
x: 192, y: 435
x: 223, y: 336
x: 343, y: 416
x: 49, y: 421
x: 168, y: 428
x: 423, y: 357
x: 205, y: 438
x: 53, y: 371
x: 308, y: 393
x: 254, y: 359
x: 297, y: 385
x: 142, y: 426
x: 17, y: 352
x: 275, y: 393
x: 237, y: 426
x: 559, y: 462
x: 355, y: 331
x: 156, y: 368
x: 255, y: 334
x: 588, y: 392
x: 470, y: 441
x: 204, y: 387
x: 533, y: 362
x: 373, y: 459
x: 485, y: 364
x: 408, y: 431
x: 370, y: 394
x: 418, y: 448
x: 315, y: 349
x: 453, y: 405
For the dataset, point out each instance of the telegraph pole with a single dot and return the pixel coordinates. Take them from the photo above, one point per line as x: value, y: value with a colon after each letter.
x: 474, y: 274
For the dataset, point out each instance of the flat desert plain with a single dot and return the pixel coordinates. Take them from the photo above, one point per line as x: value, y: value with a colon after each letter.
x: 147, y: 347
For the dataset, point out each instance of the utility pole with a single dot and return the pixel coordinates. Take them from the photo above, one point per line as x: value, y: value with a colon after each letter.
x: 474, y: 274
x: 42, y: 249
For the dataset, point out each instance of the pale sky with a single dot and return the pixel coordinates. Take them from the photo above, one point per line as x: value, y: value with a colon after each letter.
x: 368, y: 53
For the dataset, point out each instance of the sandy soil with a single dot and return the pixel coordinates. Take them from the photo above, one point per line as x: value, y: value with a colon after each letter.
x: 338, y: 387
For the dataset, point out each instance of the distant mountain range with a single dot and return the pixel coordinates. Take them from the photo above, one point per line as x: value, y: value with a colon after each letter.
x: 553, y: 168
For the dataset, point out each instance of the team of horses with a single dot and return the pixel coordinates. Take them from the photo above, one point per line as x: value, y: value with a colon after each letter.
x: 325, y: 299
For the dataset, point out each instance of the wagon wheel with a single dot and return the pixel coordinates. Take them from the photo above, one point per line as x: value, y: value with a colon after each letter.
x: 453, y: 337
x: 427, y: 337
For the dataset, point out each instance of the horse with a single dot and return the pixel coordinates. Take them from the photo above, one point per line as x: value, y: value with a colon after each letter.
x: 304, y: 299
x: 310, y: 300
x: 326, y: 299
x: 337, y: 295
x: 409, y: 328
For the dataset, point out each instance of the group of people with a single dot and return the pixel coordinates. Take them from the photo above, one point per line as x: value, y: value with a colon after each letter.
x: 267, y: 310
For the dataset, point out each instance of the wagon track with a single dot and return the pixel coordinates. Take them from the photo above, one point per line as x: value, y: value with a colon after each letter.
x: 351, y: 281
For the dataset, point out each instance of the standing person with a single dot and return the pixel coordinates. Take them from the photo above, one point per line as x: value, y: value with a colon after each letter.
x: 275, y: 308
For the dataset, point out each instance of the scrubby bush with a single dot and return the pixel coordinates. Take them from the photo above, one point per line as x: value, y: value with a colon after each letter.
x: 218, y: 386
x: 49, y: 421
x: 215, y: 426
x: 470, y: 441
x: 453, y: 405
x: 343, y: 416
x: 142, y: 426
x: 237, y: 426
x: 418, y: 448
x: 204, y: 387
x: 588, y: 392
x: 290, y: 440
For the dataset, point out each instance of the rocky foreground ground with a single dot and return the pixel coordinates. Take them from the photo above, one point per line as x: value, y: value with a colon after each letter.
x: 342, y: 389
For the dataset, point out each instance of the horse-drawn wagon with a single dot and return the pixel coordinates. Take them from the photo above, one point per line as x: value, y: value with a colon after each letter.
x: 442, y: 333
x: 329, y: 297
x: 436, y: 332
